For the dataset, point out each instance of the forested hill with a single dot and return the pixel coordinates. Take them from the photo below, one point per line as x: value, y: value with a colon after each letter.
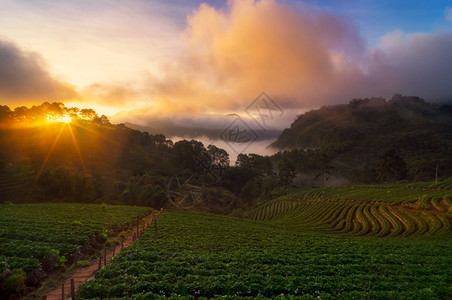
x: 409, y: 125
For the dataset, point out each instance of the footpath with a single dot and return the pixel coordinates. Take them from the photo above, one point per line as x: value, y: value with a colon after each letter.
x: 70, y: 285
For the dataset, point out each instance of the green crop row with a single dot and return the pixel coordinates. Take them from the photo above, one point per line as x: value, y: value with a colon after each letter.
x: 395, y: 193
x: 30, y: 233
x: 379, y: 219
x: 200, y: 256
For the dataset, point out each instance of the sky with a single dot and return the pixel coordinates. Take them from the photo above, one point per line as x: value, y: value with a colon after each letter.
x: 197, y: 63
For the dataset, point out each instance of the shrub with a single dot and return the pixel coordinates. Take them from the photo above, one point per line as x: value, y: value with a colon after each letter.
x: 15, y: 283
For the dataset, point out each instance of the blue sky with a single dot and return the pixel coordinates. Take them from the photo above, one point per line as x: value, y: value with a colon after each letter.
x: 378, y: 17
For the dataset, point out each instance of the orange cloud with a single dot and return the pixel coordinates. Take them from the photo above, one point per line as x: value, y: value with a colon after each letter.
x: 266, y: 46
x: 232, y: 56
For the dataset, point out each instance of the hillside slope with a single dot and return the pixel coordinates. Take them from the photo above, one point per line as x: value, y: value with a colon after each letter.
x: 389, y: 210
x: 367, y: 127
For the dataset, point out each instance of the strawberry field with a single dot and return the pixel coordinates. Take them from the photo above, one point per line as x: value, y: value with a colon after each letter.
x: 195, y: 256
x: 36, y: 238
x: 393, y: 210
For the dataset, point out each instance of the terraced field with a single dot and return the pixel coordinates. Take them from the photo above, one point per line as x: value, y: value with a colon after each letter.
x: 202, y: 256
x: 378, y: 210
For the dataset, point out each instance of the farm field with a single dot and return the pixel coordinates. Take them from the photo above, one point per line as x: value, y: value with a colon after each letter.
x: 379, y: 210
x: 36, y: 238
x: 196, y: 255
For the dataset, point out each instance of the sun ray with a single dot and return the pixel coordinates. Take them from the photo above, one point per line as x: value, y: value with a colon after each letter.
x: 77, y: 148
x: 97, y: 134
x: 49, y: 153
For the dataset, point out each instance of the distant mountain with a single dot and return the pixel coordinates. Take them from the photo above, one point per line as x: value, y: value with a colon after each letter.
x: 367, y: 127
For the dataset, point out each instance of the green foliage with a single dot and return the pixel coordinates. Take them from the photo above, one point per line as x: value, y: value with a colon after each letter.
x: 287, y: 172
x: 378, y: 210
x: 391, y: 167
x: 14, y: 283
x: 144, y: 190
x: 82, y: 263
x: 30, y: 233
x: 355, y: 135
x: 201, y: 255
x: 104, y: 234
x: 250, y: 192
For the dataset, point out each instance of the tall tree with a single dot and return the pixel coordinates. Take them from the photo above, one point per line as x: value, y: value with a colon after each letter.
x: 323, y: 164
x: 286, y: 173
x: 391, y: 167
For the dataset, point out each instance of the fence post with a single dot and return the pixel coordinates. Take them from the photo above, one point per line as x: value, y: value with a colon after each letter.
x: 100, y: 261
x: 72, y: 289
x: 114, y: 248
x: 105, y: 257
x: 62, y: 291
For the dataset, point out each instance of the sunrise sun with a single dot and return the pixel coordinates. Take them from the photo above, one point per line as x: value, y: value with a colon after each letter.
x: 58, y: 119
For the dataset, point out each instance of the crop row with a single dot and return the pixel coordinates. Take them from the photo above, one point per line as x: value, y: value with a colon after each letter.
x: 355, y: 217
x: 389, y: 193
x: 201, y: 255
x: 38, y: 236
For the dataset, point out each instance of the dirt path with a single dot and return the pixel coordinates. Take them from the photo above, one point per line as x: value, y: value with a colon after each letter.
x: 88, y: 272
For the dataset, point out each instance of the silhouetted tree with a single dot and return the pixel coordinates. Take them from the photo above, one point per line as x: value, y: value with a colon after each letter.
x: 323, y: 166
x: 286, y: 172
x: 391, y: 167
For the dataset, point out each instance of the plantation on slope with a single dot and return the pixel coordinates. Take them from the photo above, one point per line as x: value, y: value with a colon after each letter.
x: 36, y: 238
x: 197, y: 255
x: 378, y: 210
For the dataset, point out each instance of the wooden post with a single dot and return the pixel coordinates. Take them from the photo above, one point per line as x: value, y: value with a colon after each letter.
x: 44, y: 297
x: 100, y: 261
x: 62, y: 291
x: 72, y: 289
x: 114, y: 248
x: 105, y: 257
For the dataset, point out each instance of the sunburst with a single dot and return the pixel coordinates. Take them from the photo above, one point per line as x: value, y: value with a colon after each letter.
x: 59, y: 119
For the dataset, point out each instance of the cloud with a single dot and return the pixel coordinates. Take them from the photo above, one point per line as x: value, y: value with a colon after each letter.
x: 232, y: 55
x: 265, y: 46
x: 24, y: 78
x: 301, y: 56
x: 448, y: 13
x: 114, y: 94
x: 415, y: 64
